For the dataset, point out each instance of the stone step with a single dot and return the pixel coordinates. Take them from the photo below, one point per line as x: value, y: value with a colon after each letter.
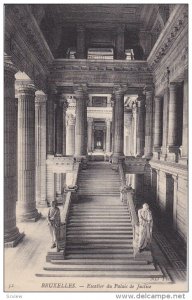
x: 104, y: 214
x: 112, y: 256
x: 125, y: 274
x: 96, y: 261
x: 101, y: 219
x: 101, y: 235
x: 96, y: 267
x: 88, y: 241
x: 95, y: 246
x: 106, y: 224
x: 99, y: 251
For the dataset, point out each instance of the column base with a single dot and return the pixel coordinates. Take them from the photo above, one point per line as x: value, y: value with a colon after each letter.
x: 13, y: 239
x: 172, y: 153
x: 116, y: 159
x: 156, y: 152
x: 183, y: 161
x: 33, y: 216
x: 83, y: 159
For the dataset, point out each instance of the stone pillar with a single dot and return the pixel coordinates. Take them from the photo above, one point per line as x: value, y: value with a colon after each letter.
x: 113, y: 122
x: 184, y: 147
x: 158, y: 126
x: 59, y: 127
x: 175, y: 200
x: 108, y: 136
x: 51, y: 121
x: 128, y: 126
x: 80, y: 42
x: 26, y: 149
x: 70, y: 135
x: 134, y: 129
x: 90, y: 134
x: 172, y: 142
x: 165, y: 124
x: 119, y: 122
x: 141, y: 126
x: 148, y: 121
x: 12, y: 236
x: 64, y: 106
x: 120, y: 47
x: 81, y: 117
x: 40, y: 145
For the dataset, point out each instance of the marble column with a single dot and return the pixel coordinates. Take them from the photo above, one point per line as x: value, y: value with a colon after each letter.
x: 165, y: 124
x: 81, y: 117
x: 128, y: 125
x: 108, y: 135
x: 134, y: 129
x: 12, y: 236
x: 184, y: 147
x: 175, y: 200
x: 80, y: 42
x: 40, y: 147
x: 70, y: 135
x: 158, y: 126
x: 113, y: 122
x: 51, y: 120
x: 148, y: 121
x: 26, y: 149
x: 120, y: 47
x: 64, y: 106
x: 172, y: 141
x: 141, y: 126
x: 90, y: 134
x: 59, y: 127
x: 119, y: 122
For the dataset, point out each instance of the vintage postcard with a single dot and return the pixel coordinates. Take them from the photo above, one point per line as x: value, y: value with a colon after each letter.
x: 96, y: 147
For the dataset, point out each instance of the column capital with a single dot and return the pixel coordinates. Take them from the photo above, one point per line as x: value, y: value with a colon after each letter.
x: 9, y: 67
x: 140, y: 101
x: 158, y: 98
x: 80, y: 27
x: 119, y: 90
x: 90, y: 120
x: 52, y: 89
x: 40, y: 97
x: 80, y: 90
x: 173, y: 86
x: 24, y: 84
x: 120, y: 28
x: 108, y: 122
x: 61, y: 100
x: 148, y: 90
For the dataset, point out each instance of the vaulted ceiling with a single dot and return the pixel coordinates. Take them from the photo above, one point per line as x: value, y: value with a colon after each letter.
x: 59, y: 22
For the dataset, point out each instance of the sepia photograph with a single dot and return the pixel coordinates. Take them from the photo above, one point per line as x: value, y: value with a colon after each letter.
x: 95, y: 147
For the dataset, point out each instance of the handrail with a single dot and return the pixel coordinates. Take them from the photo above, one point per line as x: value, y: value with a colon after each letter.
x: 65, y: 211
x: 129, y: 196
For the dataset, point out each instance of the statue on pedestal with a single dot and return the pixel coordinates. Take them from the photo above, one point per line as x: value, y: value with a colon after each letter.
x: 145, y: 227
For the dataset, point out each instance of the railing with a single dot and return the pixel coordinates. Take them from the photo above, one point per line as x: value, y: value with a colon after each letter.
x: 127, y: 198
x: 61, y: 238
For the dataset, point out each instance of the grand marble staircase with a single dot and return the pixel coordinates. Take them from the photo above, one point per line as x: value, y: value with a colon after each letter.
x: 99, y: 233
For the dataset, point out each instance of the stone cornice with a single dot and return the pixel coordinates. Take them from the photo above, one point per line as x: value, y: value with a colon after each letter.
x: 132, y: 73
x: 170, y: 167
x: 177, y: 21
x: 26, y: 45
